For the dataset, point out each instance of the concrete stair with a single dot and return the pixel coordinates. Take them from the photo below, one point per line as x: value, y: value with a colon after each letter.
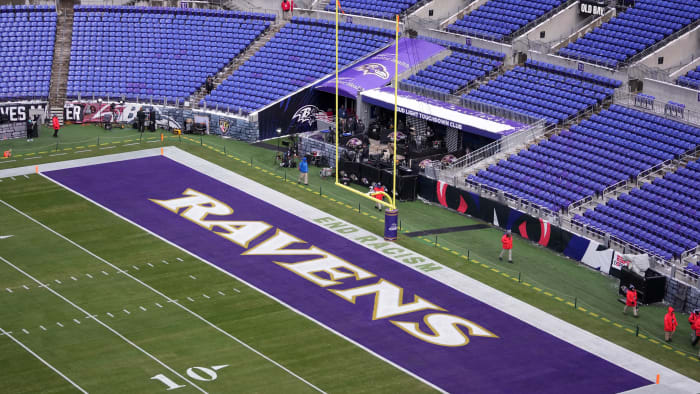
x: 238, y: 61
x: 61, y: 60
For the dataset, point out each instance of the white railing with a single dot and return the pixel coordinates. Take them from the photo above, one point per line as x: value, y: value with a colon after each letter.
x: 657, y: 107
x: 505, y: 144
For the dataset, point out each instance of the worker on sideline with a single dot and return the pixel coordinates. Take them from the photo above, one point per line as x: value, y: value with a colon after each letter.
x: 507, y: 243
x: 376, y: 192
x: 694, y: 316
x: 631, y: 300
x: 696, y: 328
x: 56, y: 125
x: 303, y: 172
x: 670, y: 324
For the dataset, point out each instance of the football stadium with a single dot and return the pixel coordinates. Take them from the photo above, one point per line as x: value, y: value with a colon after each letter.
x: 380, y: 196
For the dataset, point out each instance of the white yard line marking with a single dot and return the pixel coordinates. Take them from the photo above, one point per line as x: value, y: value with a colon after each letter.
x: 76, y: 321
x: 236, y: 290
x: 142, y: 308
x: 7, y: 334
x: 57, y: 281
x: 159, y: 305
x: 179, y: 259
x: 7, y: 161
x: 43, y: 328
x: 164, y: 262
x: 81, y: 151
x: 26, y: 176
x: 104, y: 273
x: 109, y: 147
x: 55, y: 154
x: 13, y: 178
x: 109, y: 314
x: 212, y: 325
x: 73, y: 277
x: 58, y: 323
x: 135, y: 267
x: 221, y: 292
x: 193, y: 277
x: 115, y: 332
x: 150, y: 265
x: 206, y: 296
x: 24, y: 330
x: 133, y: 143
x: 127, y: 312
x: 89, y: 276
x: 191, y: 299
x: 25, y: 287
x: 9, y: 290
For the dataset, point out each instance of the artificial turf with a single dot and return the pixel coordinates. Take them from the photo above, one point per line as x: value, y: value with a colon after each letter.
x: 551, y: 282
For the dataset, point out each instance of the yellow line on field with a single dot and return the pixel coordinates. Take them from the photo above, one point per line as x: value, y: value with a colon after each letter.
x: 631, y: 331
x: 593, y: 314
x: 679, y: 352
x: 582, y: 309
x: 537, y: 288
x: 642, y: 336
x: 605, y: 320
x: 666, y: 347
x: 618, y: 325
x: 653, y: 341
x: 548, y: 293
x: 526, y: 284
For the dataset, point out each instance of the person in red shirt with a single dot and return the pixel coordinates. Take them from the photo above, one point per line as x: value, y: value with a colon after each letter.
x: 696, y: 328
x: 285, y: 8
x: 694, y: 316
x: 631, y: 300
x: 376, y: 192
x: 56, y: 125
x: 670, y: 324
x: 507, y: 243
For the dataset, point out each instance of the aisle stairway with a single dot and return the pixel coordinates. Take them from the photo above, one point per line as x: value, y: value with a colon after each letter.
x: 61, y: 61
x: 238, y: 61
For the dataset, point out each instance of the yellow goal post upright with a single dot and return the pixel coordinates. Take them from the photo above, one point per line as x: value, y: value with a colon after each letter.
x: 391, y: 203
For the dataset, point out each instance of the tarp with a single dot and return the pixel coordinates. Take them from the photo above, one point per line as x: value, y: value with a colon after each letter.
x: 440, y: 112
x: 378, y: 70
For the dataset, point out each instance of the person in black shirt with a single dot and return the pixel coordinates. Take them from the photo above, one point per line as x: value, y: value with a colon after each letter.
x: 141, y: 118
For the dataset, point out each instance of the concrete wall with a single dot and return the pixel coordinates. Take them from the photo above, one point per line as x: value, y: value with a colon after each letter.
x: 360, y: 20
x: 665, y: 91
x: 477, y: 42
x: 677, y: 53
x: 620, y: 75
x: 469, y: 7
x: 442, y: 9
x: 558, y: 27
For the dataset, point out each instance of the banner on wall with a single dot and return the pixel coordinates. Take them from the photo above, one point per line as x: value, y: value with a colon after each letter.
x: 96, y: 112
x: 295, y: 114
x: 589, y: 252
x: 20, y: 112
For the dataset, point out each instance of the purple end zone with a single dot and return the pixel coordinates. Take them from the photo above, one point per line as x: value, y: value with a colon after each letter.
x: 521, y: 359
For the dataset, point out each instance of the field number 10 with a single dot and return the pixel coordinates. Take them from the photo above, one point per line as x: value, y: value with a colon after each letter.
x: 202, y: 374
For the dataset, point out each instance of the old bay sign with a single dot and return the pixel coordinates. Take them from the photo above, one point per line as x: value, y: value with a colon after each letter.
x: 327, y: 271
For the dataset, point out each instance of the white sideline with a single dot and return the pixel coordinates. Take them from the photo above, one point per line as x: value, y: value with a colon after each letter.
x: 93, y: 317
x: 563, y: 330
x: 66, y: 378
x: 170, y: 300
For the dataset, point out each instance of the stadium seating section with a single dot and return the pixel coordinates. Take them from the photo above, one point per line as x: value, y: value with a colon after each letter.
x: 300, y: 53
x: 385, y: 9
x: 613, y: 146
x: 691, y: 80
x: 636, y: 29
x: 660, y: 217
x: 28, y: 34
x: 454, y: 72
x: 545, y: 91
x: 498, y: 19
x: 154, y: 52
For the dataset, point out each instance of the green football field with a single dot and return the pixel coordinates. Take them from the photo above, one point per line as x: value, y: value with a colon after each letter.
x: 125, y: 311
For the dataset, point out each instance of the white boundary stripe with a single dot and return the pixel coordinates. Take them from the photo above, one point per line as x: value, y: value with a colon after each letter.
x: 115, y: 332
x: 66, y: 378
x: 563, y: 330
x: 153, y: 289
x: 361, y: 346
